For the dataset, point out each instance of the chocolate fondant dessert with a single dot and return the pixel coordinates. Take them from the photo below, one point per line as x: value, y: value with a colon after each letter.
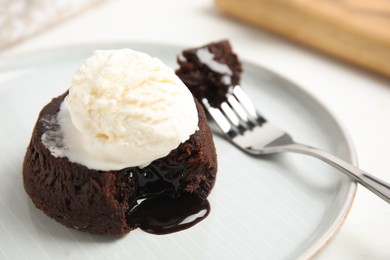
x: 210, y: 71
x: 105, y: 202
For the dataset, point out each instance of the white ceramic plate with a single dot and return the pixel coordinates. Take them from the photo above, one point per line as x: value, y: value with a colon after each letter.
x: 281, y: 206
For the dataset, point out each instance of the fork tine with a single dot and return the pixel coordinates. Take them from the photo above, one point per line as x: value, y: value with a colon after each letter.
x: 230, y: 114
x: 236, y: 115
x: 247, y: 103
x: 240, y: 111
x: 218, y: 117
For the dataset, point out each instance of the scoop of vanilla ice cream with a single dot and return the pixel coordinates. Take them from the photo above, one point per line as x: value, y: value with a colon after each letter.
x: 125, y: 109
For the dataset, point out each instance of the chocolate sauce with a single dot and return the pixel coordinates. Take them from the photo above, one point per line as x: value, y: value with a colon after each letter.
x: 167, y: 214
x: 160, y: 209
x: 158, y: 177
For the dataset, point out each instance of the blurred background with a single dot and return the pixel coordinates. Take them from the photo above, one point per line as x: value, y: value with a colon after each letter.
x: 345, y: 29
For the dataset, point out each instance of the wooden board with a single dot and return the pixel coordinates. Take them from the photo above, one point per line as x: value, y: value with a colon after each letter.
x: 355, y: 30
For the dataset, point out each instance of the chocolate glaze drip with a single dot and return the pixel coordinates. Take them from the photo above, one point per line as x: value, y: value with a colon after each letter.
x: 167, y: 214
x: 158, y: 176
x: 160, y: 209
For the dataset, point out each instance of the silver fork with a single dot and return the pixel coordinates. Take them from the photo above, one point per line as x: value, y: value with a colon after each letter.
x: 243, y: 125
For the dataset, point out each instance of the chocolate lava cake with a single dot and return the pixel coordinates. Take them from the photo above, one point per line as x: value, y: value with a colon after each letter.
x: 99, y: 202
x: 210, y: 71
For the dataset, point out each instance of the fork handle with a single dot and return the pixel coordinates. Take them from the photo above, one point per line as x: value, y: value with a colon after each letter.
x: 372, y: 183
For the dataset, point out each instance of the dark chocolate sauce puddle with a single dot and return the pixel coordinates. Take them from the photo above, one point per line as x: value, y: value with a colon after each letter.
x: 166, y: 214
x: 159, y: 208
